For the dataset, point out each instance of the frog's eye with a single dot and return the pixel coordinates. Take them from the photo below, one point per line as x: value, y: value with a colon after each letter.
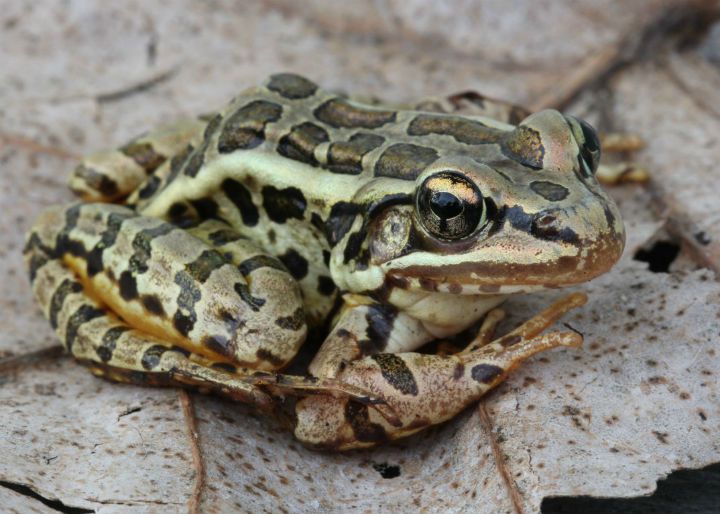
x: 587, y: 140
x: 449, y: 205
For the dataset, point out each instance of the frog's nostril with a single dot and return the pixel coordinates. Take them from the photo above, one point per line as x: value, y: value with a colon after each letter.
x: 544, y: 220
x: 545, y: 225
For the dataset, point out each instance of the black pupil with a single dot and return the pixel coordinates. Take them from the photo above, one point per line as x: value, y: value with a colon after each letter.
x: 445, y: 205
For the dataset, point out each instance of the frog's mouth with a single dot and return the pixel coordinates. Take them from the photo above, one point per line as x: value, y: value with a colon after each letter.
x: 514, y: 260
x: 495, y: 272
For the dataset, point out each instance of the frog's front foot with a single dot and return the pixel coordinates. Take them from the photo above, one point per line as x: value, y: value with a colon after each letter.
x: 623, y: 171
x: 425, y: 389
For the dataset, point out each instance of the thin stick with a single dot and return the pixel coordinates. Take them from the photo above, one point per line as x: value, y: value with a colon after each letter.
x: 193, y: 504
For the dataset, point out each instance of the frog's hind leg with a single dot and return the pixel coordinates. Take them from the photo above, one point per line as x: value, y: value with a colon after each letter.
x: 111, y: 348
x: 217, y: 295
x: 125, y: 295
x: 106, y: 343
x: 110, y: 176
x: 465, y: 103
x: 425, y: 389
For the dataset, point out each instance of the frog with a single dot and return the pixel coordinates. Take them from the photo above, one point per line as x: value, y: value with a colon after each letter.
x: 202, y: 254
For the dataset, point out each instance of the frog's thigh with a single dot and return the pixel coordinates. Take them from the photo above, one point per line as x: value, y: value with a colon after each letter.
x: 111, y: 175
x: 222, y: 298
x: 467, y: 102
x: 273, y: 327
x: 114, y: 350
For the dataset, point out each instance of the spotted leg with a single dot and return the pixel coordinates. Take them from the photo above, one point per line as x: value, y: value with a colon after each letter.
x: 465, y: 102
x: 425, y: 389
x: 112, y: 175
x: 138, y: 300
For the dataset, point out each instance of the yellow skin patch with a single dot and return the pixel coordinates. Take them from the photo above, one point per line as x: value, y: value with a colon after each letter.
x: 232, y: 235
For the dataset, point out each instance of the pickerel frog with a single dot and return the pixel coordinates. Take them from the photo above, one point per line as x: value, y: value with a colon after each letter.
x: 203, y: 253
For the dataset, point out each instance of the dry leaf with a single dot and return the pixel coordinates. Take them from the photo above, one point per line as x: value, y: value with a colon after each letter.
x: 637, y: 401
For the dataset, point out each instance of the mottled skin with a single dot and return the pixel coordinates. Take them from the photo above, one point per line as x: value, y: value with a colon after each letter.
x: 294, y: 208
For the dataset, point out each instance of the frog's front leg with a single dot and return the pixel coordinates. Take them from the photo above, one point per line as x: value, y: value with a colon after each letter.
x: 425, y: 389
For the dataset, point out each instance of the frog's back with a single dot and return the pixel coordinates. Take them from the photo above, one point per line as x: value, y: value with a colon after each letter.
x: 288, y: 133
x: 303, y: 172
x: 293, y: 118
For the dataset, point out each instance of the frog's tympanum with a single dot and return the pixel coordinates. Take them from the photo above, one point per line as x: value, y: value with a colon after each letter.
x: 203, y: 253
